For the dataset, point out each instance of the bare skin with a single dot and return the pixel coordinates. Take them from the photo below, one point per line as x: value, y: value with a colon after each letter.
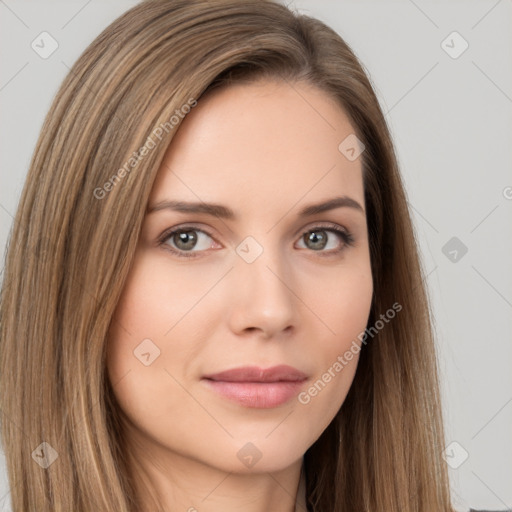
x: 266, y: 151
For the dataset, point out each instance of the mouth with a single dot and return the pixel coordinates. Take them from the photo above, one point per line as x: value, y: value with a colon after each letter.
x: 254, y: 387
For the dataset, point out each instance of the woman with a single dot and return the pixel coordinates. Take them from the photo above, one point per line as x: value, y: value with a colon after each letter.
x: 213, y: 298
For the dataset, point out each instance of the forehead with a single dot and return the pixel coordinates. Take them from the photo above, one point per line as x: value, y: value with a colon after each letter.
x: 261, y: 145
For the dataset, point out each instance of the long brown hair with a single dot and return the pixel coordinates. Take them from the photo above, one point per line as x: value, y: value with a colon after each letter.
x: 77, y: 227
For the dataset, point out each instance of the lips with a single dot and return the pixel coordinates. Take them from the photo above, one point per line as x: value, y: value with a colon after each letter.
x: 255, y: 387
x: 254, y: 374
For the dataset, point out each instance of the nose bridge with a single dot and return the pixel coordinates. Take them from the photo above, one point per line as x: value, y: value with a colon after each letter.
x: 263, y: 297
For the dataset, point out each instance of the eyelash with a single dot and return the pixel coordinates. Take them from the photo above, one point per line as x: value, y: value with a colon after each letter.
x: 346, y: 237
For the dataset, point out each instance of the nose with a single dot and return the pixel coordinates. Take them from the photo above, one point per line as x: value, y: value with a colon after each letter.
x: 263, y: 298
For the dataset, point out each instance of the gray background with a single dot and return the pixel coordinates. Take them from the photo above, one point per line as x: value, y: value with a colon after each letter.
x: 450, y: 116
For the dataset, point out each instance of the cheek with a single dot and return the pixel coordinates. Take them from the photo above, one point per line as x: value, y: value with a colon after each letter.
x: 344, y: 308
x: 154, y: 305
x: 134, y: 345
x: 150, y: 345
x: 342, y: 303
x: 139, y: 359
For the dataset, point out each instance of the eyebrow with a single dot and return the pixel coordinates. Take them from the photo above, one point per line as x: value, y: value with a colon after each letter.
x: 219, y: 210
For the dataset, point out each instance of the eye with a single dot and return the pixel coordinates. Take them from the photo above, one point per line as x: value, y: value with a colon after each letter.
x: 321, y: 237
x: 182, y: 240
x: 190, y: 241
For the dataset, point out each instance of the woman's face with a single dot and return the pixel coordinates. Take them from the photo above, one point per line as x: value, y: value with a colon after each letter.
x: 261, y: 284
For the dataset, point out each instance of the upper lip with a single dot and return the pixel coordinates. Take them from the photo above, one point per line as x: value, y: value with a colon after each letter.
x: 255, y: 374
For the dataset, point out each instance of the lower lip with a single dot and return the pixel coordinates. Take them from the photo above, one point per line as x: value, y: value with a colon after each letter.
x: 261, y: 395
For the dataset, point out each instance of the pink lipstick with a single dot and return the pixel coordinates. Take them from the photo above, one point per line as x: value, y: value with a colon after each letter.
x: 255, y: 387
